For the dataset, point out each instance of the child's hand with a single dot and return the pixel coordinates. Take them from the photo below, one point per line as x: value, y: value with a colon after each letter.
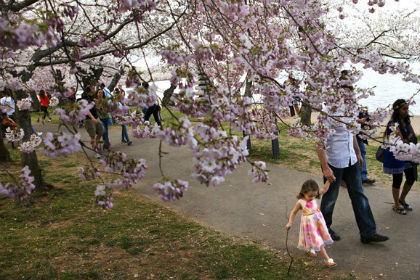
x: 288, y: 226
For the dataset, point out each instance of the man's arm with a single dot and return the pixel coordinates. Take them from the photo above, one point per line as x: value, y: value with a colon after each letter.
x: 357, y: 151
x: 326, y: 170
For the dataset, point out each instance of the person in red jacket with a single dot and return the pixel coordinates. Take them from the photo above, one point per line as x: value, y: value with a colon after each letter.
x: 45, y: 101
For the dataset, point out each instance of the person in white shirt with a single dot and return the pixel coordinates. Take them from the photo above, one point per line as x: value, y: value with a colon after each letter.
x: 341, y: 160
x: 8, y: 102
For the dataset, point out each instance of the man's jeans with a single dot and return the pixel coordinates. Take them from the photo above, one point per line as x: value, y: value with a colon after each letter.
x: 363, y: 152
x: 105, y: 123
x: 360, y: 203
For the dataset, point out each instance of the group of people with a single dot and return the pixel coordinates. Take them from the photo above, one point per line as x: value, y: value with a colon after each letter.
x: 98, y: 119
x: 343, y: 160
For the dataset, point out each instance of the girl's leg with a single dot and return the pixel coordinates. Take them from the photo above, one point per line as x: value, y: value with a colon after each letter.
x: 44, y: 109
x: 329, y: 262
x: 410, y: 176
x: 324, y: 254
x: 406, y: 189
x: 396, y: 184
x: 124, y: 134
x: 48, y: 113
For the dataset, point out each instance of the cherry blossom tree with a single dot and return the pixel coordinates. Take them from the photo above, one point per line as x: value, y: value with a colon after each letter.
x: 226, y: 41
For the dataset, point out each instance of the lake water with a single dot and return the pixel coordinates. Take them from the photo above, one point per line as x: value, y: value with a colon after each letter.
x: 387, y: 88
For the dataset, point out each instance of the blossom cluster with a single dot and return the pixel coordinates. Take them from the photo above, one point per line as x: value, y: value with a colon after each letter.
x: 259, y: 172
x: 91, y: 173
x: 171, y: 190
x: 54, y: 101
x: 23, y: 35
x: 30, y: 146
x: 14, y: 135
x: 130, y: 170
x: 19, y: 190
x: 24, y: 104
x: 217, y: 155
x: 62, y: 144
x: 102, y: 199
x: 75, y: 112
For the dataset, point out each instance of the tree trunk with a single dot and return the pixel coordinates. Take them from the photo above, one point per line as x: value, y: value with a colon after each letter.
x: 305, y: 113
x: 166, y: 101
x: 248, y: 93
x: 35, y: 101
x: 114, y: 82
x: 23, y: 119
x: 4, y: 152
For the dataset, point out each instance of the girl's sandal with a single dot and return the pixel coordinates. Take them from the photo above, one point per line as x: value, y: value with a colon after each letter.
x: 311, y: 253
x: 398, y: 210
x: 330, y: 263
x: 406, y: 206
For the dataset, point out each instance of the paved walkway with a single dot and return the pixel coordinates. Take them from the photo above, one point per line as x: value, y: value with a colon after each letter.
x: 259, y: 212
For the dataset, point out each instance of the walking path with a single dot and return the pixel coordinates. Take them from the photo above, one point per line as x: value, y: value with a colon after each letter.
x: 259, y: 212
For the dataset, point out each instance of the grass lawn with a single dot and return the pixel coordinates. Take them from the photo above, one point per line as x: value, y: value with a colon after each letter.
x: 62, y: 235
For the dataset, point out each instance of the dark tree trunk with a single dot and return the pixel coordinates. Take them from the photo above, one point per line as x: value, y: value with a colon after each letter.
x: 23, y: 119
x: 305, y: 113
x: 114, y: 82
x: 35, y: 102
x: 167, y: 94
x: 248, y: 93
x: 275, y: 147
x: 4, y: 152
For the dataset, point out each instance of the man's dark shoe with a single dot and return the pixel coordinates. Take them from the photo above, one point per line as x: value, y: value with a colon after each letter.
x: 368, y: 181
x: 373, y: 238
x: 334, y: 235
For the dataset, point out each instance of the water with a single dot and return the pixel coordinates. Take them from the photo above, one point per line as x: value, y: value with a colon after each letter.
x: 387, y: 88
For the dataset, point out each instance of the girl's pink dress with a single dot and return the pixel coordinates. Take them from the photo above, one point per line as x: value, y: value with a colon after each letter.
x: 313, y: 230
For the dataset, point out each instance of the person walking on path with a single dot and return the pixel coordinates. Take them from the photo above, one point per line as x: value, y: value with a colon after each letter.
x: 92, y: 123
x: 396, y: 167
x: 152, y: 110
x: 341, y: 160
x: 45, y: 101
x: 313, y: 235
x: 120, y: 93
x: 363, y: 117
x: 103, y: 107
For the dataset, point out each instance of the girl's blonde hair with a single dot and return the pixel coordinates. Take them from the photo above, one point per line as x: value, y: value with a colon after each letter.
x: 308, y: 186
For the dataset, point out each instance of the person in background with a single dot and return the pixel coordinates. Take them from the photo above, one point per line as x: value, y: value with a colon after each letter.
x: 92, y: 123
x: 7, y: 122
x: 396, y: 167
x: 8, y: 101
x: 103, y: 108
x: 118, y: 92
x: 45, y: 101
x: 152, y: 110
x: 363, y: 118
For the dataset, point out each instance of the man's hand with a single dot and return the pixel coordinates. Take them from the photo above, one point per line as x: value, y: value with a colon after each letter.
x: 328, y: 174
x: 95, y: 121
x: 360, y: 160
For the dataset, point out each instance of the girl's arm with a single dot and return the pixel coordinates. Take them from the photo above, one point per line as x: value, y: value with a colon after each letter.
x: 293, y: 214
x: 324, y: 188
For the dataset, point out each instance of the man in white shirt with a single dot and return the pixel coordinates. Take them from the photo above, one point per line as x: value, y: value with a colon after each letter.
x: 341, y: 160
x: 8, y: 102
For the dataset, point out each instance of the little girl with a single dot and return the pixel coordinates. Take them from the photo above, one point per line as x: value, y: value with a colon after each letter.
x: 313, y: 234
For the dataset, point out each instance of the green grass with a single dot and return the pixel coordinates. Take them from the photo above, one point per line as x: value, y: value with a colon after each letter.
x: 62, y: 235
